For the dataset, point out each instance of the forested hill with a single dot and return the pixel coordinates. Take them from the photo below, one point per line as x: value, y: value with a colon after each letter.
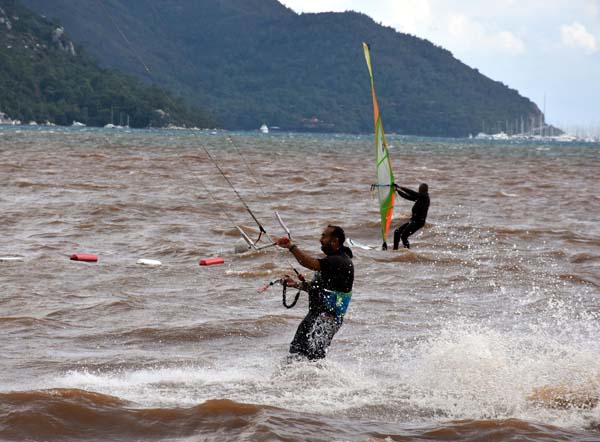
x: 255, y: 61
x: 45, y: 77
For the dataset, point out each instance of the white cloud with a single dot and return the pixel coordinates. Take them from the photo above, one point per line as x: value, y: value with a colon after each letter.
x: 409, y: 16
x: 509, y: 42
x: 316, y: 5
x: 470, y: 35
x: 577, y: 36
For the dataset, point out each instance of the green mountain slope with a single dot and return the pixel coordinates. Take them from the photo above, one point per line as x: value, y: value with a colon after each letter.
x: 254, y: 61
x: 45, y: 77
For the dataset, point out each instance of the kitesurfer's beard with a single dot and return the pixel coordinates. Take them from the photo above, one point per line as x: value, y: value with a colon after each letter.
x: 327, y: 249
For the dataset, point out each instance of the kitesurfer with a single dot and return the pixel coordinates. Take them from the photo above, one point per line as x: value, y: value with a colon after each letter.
x: 329, y: 292
x: 419, y: 213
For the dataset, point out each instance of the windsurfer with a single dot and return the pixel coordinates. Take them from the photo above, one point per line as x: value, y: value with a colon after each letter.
x: 419, y: 213
x: 329, y: 292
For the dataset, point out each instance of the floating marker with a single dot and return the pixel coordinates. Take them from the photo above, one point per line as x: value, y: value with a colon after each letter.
x: 211, y: 261
x: 87, y: 257
x: 241, y: 246
x: 11, y: 259
x: 149, y: 262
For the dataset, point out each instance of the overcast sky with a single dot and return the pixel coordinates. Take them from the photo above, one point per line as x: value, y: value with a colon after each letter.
x: 548, y: 50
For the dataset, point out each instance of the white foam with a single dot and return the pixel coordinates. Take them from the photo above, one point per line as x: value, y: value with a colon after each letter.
x: 464, y: 370
x: 322, y: 387
x: 470, y: 371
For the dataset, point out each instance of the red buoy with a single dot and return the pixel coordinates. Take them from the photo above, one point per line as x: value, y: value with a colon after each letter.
x: 211, y: 261
x: 87, y: 257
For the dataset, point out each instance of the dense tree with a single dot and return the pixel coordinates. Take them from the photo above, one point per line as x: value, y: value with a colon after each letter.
x: 43, y: 77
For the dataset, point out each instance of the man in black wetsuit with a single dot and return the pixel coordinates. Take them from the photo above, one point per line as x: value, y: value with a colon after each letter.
x: 329, y: 292
x: 419, y: 213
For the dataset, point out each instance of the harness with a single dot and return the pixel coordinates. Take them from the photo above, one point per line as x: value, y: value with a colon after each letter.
x: 337, y: 303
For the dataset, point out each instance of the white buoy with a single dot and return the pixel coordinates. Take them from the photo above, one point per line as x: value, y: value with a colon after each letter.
x: 149, y: 262
x: 11, y: 259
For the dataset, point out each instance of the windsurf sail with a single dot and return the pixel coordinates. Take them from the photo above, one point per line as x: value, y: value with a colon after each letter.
x: 385, y: 176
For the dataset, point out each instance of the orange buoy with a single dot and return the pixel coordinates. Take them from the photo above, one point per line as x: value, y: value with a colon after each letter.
x: 211, y: 261
x: 87, y: 257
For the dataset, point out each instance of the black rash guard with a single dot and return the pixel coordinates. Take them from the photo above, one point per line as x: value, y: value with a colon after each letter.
x: 336, y: 276
x: 421, y: 206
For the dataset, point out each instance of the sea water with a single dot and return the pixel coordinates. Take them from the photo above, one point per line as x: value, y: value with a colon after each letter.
x: 486, y: 329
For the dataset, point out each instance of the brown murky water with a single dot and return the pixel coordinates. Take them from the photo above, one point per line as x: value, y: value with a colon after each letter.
x: 486, y: 330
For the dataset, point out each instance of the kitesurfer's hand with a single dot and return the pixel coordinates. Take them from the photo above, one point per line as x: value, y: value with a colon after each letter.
x: 284, y: 242
x: 288, y: 281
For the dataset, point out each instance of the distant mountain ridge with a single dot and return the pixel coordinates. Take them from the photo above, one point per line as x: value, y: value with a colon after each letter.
x: 256, y: 61
x: 46, y: 78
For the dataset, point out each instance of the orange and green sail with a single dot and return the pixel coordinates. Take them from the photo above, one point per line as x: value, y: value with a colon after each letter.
x: 385, y: 176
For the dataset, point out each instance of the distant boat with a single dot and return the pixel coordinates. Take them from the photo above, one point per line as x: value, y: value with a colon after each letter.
x: 77, y: 124
x: 500, y: 136
x: 264, y: 129
x: 4, y: 119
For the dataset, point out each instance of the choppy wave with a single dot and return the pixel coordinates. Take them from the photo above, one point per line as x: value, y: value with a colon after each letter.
x: 584, y: 258
x: 29, y: 323
x: 114, y: 307
x: 212, y: 331
x: 496, y: 300
x: 70, y: 415
x: 592, y: 279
